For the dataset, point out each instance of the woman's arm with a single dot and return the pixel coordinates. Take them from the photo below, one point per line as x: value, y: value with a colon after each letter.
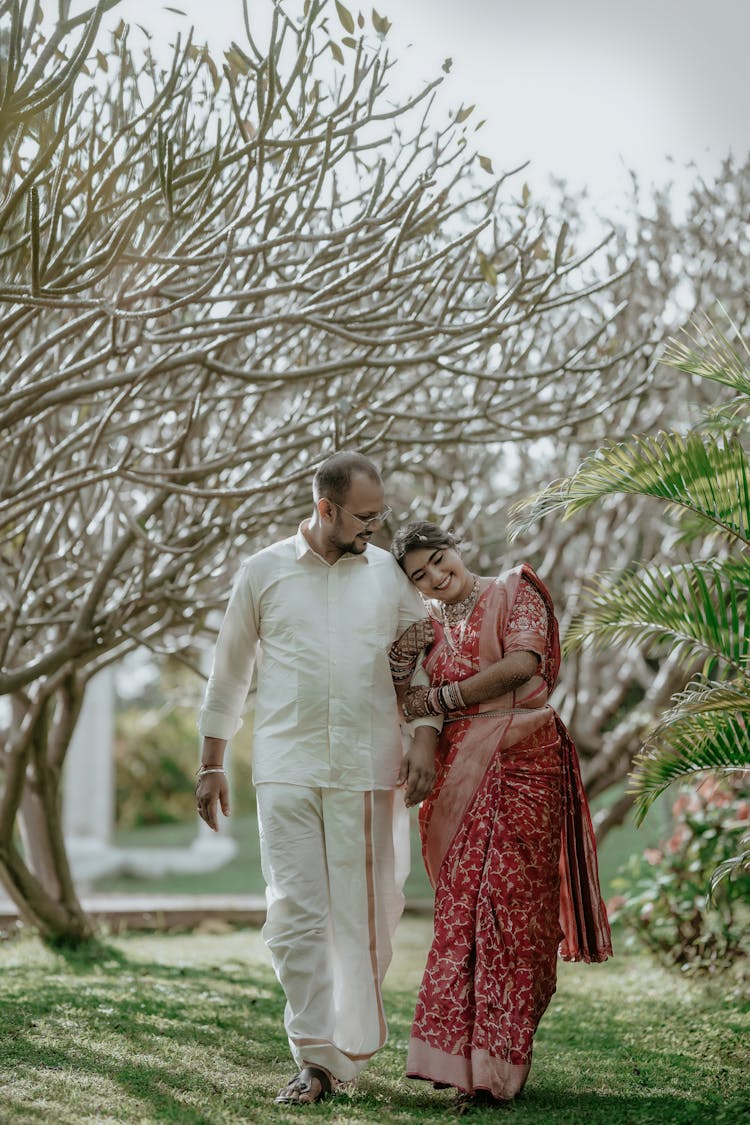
x: 512, y: 672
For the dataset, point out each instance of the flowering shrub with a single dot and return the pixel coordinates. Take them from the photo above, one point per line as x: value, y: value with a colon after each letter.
x: 664, y: 899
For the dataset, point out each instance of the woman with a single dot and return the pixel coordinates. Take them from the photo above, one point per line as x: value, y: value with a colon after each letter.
x: 506, y: 832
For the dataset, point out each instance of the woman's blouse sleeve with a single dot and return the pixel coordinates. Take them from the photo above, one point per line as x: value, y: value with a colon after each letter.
x: 526, y: 627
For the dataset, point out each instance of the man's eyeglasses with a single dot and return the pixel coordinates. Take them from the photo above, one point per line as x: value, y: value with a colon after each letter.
x: 381, y: 517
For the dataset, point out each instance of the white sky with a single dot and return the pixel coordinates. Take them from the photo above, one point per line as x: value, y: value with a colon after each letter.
x: 584, y: 89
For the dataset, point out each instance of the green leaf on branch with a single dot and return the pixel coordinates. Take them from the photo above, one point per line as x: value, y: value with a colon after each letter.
x: 348, y: 41
x: 213, y: 69
x: 486, y: 163
x: 561, y: 244
x: 336, y: 51
x: 487, y: 270
x: 381, y: 23
x: 345, y: 16
x: 462, y: 114
x: 237, y: 60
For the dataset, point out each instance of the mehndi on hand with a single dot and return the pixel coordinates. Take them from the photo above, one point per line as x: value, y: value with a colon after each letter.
x: 414, y: 703
x: 405, y: 650
x: 421, y: 701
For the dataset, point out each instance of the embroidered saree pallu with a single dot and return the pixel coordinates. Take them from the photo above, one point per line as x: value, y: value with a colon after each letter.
x: 508, y: 845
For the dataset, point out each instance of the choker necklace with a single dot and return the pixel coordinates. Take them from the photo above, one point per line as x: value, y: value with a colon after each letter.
x: 457, y: 612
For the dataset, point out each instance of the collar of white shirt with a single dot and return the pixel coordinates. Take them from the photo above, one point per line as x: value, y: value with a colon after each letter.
x: 303, y: 547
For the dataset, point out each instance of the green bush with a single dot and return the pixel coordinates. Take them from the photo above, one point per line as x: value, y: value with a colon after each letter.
x: 157, y: 748
x: 156, y: 755
x: 664, y: 897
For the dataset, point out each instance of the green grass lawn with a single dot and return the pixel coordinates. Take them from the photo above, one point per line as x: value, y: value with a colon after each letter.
x: 187, y: 1028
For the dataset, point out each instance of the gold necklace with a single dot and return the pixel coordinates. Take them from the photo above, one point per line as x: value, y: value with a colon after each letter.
x: 458, y: 613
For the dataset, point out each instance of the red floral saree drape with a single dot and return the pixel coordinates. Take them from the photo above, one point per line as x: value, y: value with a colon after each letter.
x: 508, y: 845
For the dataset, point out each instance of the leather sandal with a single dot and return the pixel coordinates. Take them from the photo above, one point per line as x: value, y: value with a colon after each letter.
x: 302, y: 1083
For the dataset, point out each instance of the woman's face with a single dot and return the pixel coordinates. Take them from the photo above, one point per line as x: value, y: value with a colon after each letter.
x: 438, y: 573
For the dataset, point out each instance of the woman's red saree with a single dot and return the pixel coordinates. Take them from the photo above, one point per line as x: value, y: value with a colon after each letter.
x: 508, y: 845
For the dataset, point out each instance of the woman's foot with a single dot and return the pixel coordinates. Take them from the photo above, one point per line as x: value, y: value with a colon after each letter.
x: 312, y: 1084
x: 480, y: 1099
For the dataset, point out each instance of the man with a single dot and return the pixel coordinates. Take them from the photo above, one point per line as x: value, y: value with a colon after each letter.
x: 317, y: 614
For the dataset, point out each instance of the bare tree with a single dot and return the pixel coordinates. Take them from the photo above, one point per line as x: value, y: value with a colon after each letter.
x: 212, y: 278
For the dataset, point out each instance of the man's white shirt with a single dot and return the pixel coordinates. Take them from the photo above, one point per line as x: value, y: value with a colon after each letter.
x: 325, y: 707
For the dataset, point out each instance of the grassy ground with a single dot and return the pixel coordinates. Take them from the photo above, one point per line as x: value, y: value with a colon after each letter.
x: 188, y: 1029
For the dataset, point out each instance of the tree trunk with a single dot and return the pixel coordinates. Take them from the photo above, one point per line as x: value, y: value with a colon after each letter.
x: 50, y: 894
x: 39, y: 881
x: 57, y: 920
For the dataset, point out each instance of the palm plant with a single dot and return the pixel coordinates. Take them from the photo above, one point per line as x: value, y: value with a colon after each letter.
x: 699, y: 606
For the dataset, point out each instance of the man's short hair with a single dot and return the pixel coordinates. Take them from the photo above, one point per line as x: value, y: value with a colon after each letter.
x: 333, y: 478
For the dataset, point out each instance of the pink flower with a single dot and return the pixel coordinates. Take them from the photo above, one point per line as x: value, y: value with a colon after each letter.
x: 679, y: 837
x: 683, y: 804
x: 653, y: 856
x: 713, y: 792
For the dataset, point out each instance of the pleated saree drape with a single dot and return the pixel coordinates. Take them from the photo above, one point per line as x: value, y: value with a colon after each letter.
x: 508, y: 845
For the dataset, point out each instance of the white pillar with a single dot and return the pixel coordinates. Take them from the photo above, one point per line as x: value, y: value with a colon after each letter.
x: 89, y: 782
x: 89, y: 798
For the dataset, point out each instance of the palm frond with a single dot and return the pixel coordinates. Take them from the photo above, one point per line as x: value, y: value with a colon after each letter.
x: 727, y: 869
x: 732, y: 415
x: 716, y: 740
x: 700, y: 607
x: 706, y: 474
x: 694, y: 527
x: 701, y: 696
x: 704, y: 350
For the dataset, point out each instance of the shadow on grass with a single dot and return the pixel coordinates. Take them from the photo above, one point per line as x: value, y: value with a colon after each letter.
x: 86, y: 1037
x: 82, y: 958
x: 172, y: 1037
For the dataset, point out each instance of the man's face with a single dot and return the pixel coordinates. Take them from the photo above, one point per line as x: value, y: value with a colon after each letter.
x: 350, y: 531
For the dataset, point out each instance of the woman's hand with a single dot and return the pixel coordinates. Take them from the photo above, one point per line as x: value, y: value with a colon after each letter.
x: 420, y: 701
x: 414, y: 703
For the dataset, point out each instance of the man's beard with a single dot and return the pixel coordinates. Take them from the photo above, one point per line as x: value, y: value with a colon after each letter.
x: 354, y: 547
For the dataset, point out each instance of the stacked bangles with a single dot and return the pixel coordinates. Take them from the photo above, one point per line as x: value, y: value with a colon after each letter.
x: 445, y: 698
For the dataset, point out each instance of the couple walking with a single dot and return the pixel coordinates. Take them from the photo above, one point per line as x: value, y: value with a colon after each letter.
x: 365, y: 687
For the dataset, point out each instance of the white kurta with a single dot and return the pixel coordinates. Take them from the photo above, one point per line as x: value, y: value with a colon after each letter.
x: 326, y: 753
x: 325, y: 711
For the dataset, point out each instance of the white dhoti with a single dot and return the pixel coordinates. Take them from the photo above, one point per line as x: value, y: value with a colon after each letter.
x: 334, y: 863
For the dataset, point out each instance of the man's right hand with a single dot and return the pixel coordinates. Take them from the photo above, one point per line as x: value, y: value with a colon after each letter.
x: 212, y: 791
